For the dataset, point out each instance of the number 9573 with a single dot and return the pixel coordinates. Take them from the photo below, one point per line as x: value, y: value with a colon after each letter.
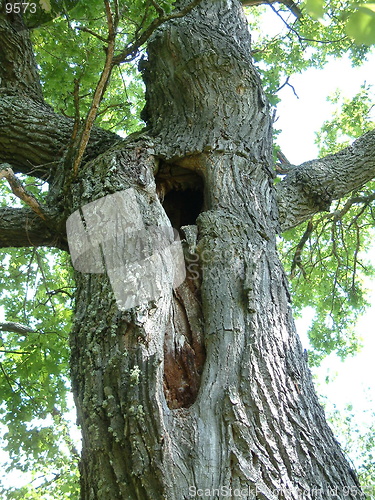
x: 22, y: 7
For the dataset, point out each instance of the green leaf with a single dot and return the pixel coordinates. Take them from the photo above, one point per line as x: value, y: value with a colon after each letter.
x: 45, y: 5
x: 315, y: 8
x: 361, y: 25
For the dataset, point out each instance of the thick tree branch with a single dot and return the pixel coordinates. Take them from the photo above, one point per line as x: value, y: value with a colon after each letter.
x: 33, y: 136
x: 18, y: 69
x: 21, y: 227
x: 10, y: 326
x: 313, y: 185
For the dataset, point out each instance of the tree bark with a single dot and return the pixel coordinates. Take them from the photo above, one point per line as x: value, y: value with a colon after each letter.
x: 18, y: 70
x: 206, y: 388
x: 33, y: 138
x: 21, y: 227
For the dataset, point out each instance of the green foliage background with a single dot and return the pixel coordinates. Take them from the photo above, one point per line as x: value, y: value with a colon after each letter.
x: 37, y: 290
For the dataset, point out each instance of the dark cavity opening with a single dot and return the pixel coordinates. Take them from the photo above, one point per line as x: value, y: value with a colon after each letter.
x: 181, y: 193
x: 183, y: 207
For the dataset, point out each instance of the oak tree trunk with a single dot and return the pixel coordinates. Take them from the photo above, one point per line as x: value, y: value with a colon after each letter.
x: 205, y: 390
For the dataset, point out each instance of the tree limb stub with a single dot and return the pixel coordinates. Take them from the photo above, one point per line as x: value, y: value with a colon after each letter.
x: 313, y: 185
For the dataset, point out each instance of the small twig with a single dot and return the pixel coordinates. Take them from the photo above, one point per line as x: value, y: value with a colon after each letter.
x: 283, y: 166
x: 159, y: 9
x: 112, y: 106
x: 91, y: 32
x: 294, y: 9
x: 356, y: 251
x: 45, y: 281
x: 57, y: 291
x: 48, y: 482
x: 301, y: 38
x: 361, y: 211
x: 6, y: 377
x: 286, y: 83
x: 9, y: 382
x: 18, y: 189
x: 297, y: 255
x: 338, y: 214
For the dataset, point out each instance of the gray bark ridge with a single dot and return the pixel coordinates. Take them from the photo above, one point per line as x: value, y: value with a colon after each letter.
x: 33, y: 138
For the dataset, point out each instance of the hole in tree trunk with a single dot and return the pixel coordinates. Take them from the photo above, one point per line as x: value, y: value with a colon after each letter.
x: 183, y: 207
x: 181, y: 193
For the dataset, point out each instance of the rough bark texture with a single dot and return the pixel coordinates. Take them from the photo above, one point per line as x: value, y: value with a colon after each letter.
x: 255, y: 425
x: 207, y: 387
x: 21, y: 227
x: 18, y: 71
